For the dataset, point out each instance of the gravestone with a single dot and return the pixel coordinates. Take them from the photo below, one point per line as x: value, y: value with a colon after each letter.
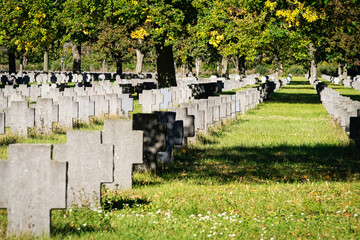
x: 188, y: 123
x: 2, y: 123
x: 86, y: 108
x: 16, y: 96
x: 114, y: 103
x: 31, y: 185
x: 174, y: 134
x: 209, y: 111
x: 90, y: 163
x: 167, y: 98
x: 44, y: 89
x: 46, y: 113
x: 127, y: 104
x: 25, y: 91
x: 68, y: 110
x: 147, y: 99
x: 199, y: 115
x: 128, y: 150
x: 101, y: 105
x: 35, y: 92
x: 3, y: 101
x: 19, y: 117
x: 154, y: 139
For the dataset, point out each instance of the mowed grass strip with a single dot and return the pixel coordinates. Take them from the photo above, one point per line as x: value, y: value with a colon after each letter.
x: 284, y: 170
x: 345, y: 91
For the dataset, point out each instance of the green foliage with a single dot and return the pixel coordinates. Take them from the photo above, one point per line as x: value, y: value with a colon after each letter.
x: 295, y: 70
x: 261, y: 69
x: 327, y: 69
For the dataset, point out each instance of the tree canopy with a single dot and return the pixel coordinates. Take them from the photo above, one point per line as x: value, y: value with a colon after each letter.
x: 197, y: 30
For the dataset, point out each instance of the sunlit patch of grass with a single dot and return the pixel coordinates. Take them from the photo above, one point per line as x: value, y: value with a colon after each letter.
x: 283, y: 170
x: 345, y: 91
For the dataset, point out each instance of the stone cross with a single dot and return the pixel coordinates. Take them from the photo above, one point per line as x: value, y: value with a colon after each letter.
x: 31, y: 185
x: 90, y: 163
x: 127, y: 104
x: 68, y: 110
x: 2, y: 123
x: 19, y: 117
x: 35, y: 92
x: 86, y: 108
x: 174, y: 134
x: 115, y: 103
x: 101, y: 105
x: 188, y: 122
x: 3, y: 101
x: 46, y: 113
x: 154, y: 138
x: 128, y: 150
x: 167, y: 98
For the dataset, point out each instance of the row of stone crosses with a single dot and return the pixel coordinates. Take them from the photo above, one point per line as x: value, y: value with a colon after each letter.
x: 350, y: 81
x: 63, y: 105
x: 342, y: 108
x: 39, y: 177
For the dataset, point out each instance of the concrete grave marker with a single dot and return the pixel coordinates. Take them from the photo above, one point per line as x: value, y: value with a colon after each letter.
x: 188, y: 122
x: 101, y: 105
x: 174, y: 134
x: 90, y: 163
x: 2, y: 123
x: 19, y: 117
x: 167, y: 98
x: 86, y: 108
x: 3, y: 101
x: 68, y: 110
x: 128, y: 150
x: 127, y: 104
x: 154, y: 138
x: 31, y: 185
x: 115, y: 103
x: 46, y: 113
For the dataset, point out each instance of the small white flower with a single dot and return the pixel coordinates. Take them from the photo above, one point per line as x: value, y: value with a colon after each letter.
x: 84, y: 224
x: 355, y: 215
x: 194, y: 235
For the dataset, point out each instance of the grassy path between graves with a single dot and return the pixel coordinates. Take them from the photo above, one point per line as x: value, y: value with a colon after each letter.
x: 284, y: 170
x: 345, y: 91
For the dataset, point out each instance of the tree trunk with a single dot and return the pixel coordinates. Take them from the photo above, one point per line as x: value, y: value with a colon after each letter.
x: 339, y: 70
x: 104, y: 66
x: 241, y: 66
x: 313, y: 64
x: 189, y: 69
x: 276, y: 65
x: 119, y: 69
x: 165, y: 66
x: 345, y: 71
x: 139, y: 61
x: 46, y: 61
x: 12, y: 63
x: 218, y: 68
x: 235, y: 60
x: 281, y: 70
x: 197, y: 65
x: 76, y: 53
x: 225, y: 67
x: 21, y: 67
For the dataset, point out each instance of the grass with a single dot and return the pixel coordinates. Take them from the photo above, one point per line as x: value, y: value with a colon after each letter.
x: 345, y: 91
x: 284, y: 170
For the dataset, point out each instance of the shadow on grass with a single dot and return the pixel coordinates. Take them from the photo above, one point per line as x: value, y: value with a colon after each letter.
x: 124, y: 203
x: 275, y: 164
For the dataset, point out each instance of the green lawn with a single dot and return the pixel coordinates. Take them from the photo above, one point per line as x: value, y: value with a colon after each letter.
x: 284, y: 170
x: 345, y: 91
